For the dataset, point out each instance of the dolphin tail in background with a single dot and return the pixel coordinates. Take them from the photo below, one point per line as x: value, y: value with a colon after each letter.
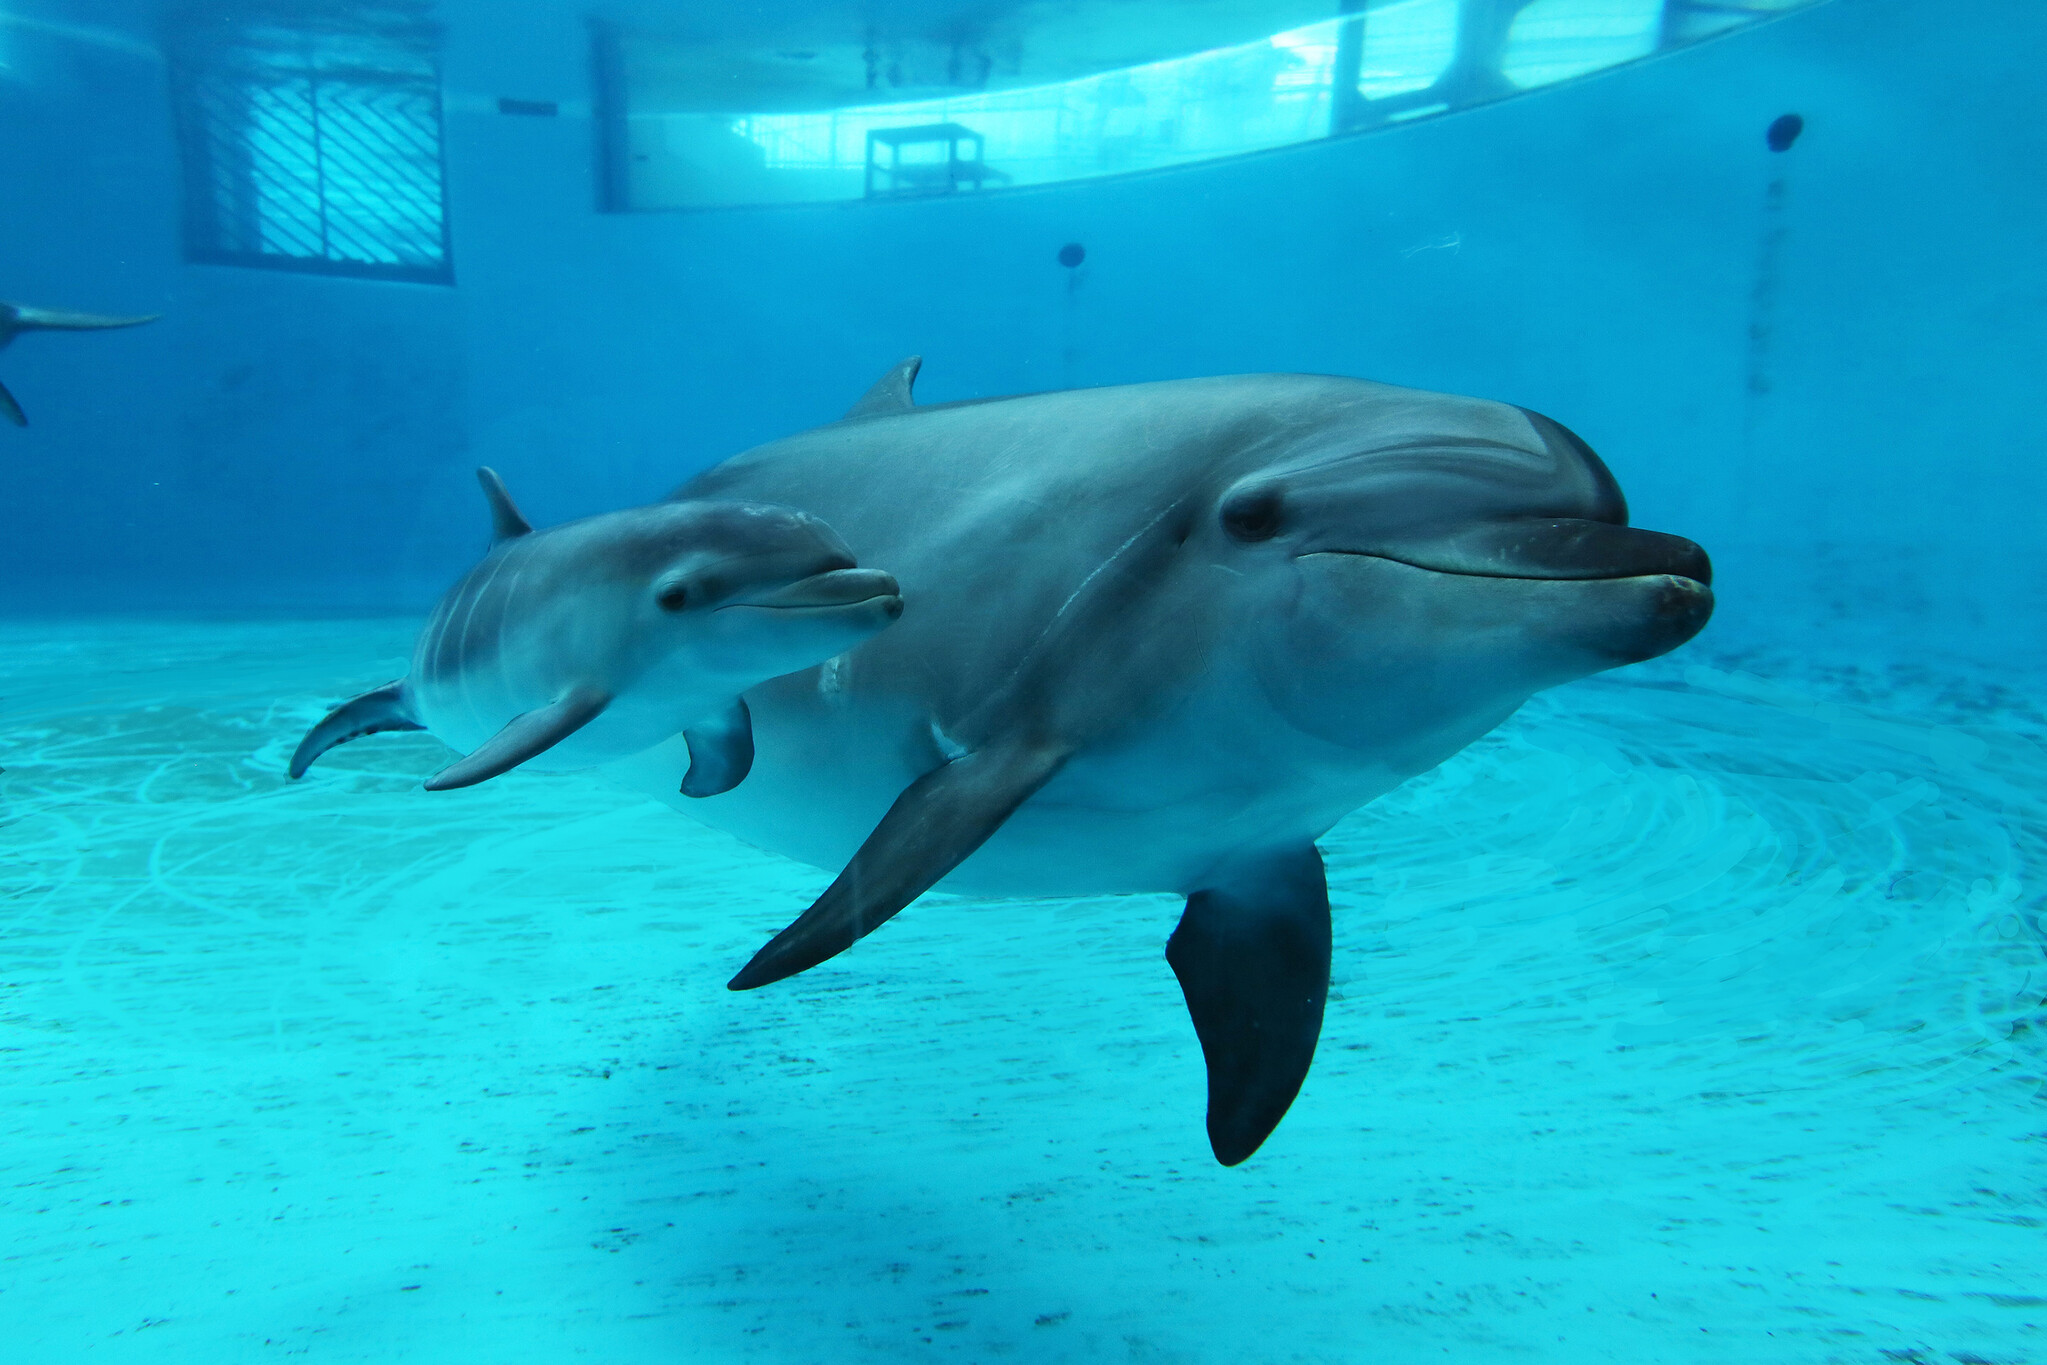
x: 16, y: 318
x: 384, y: 708
x: 27, y: 319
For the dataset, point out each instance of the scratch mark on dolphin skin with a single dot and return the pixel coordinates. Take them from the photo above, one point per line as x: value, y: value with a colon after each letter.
x: 448, y: 653
x: 947, y: 745
x: 466, y: 648
x: 1031, y: 651
x: 1115, y: 555
x: 1453, y: 243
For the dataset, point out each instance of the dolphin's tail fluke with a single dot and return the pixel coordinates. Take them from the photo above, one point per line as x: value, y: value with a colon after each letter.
x: 27, y: 319
x: 16, y: 318
x: 384, y: 708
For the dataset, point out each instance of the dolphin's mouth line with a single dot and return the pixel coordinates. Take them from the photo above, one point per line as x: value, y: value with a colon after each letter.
x: 811, y: 606
x: 834, y: 590
x: 1508, y: 577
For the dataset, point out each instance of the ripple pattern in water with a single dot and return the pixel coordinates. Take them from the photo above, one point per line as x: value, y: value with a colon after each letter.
x: 1694, y: 1016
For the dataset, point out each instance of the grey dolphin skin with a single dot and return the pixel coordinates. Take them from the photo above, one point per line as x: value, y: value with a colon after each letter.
x: 16, y: 318
x: 570, y: 647
x: 1160, y: 638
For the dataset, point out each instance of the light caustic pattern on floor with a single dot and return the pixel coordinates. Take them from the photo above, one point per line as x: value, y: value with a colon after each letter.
x: 1684, y: 1019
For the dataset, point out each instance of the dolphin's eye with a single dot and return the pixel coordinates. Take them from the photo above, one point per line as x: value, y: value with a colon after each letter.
x: 1253, y: 515
x: 673, y: 596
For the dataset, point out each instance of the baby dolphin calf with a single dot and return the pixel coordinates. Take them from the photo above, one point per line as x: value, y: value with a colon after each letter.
x: 599, y: 638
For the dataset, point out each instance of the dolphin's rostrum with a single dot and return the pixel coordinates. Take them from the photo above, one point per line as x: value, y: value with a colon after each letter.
x: 16, y: 318
x: 581, y: 644
x: 1161, y: 637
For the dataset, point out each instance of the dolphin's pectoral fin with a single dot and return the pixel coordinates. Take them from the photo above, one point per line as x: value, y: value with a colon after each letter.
x: 891, y: 392
x: 938, y: 820
x: 720, y: 751
x: 523, y: 737
x: 384, y: 708
x: 1252, y: 955
x: 10, y: 409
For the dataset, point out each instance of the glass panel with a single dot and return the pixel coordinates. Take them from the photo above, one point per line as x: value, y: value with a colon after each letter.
x: 1407, y: 47
x: 1249, y: 97
x: 1554, y: 40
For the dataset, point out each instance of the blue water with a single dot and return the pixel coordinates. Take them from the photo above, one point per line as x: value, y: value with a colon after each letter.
x: 1694, y: 1015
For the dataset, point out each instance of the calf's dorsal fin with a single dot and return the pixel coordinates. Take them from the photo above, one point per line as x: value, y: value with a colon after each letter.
x: 891, y: 392
x: 505, y: 521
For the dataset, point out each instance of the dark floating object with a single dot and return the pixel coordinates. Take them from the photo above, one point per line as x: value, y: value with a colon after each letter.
x: 1784, y: 130
x: 531, y: 108
x: 1072, y: 254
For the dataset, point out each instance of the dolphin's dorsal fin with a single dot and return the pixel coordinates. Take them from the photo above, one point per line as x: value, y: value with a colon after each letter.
x: 505, y: 521
x: 891, y: 392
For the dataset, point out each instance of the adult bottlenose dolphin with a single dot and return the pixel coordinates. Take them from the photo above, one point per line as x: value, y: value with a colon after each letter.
x: 576, y: 645
x: 1162, y: 637
x: 16, y: 318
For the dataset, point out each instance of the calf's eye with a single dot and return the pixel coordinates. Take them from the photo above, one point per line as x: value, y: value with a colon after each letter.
x: 1252, y: 516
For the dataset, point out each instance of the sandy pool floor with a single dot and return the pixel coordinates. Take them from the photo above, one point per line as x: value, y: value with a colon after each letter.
x: 1684, y: 1019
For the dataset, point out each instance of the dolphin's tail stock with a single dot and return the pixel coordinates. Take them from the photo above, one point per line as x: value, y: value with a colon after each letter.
x: 384, y: 708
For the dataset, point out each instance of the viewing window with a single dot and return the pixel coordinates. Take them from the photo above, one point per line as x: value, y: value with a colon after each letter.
x: 986, y: 116
x: 311, y: 138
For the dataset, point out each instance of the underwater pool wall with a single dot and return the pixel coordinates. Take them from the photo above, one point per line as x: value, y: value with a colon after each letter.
x: 1822, y: 363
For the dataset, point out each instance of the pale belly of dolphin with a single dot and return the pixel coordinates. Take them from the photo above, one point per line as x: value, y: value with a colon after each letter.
x: 1150, y: 816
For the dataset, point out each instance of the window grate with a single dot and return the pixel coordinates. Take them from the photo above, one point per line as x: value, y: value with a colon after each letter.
x: 311, y: 139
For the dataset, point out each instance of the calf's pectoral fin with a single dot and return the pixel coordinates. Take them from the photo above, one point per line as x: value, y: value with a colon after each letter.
x: 938, y: 820
x: 523, y: 737
x: 1252, y: 955
x: 10, y: 409
x: 382, y: 708
x: 720, y: 751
